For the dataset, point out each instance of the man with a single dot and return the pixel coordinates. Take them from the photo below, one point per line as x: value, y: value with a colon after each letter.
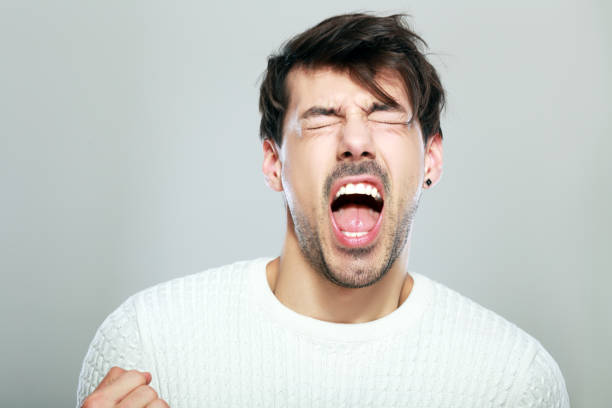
x: 351, y: 137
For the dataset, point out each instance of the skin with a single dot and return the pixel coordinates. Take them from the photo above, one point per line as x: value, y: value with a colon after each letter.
x: 123, y: 389
x: 315, y: 275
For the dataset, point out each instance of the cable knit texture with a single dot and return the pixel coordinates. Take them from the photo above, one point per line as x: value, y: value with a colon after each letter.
x: 220, y: 338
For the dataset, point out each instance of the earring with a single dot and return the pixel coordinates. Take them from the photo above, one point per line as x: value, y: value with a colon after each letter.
x: 428, y: 182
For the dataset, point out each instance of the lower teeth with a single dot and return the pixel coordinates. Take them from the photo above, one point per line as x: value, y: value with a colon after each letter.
x: 354, y: 234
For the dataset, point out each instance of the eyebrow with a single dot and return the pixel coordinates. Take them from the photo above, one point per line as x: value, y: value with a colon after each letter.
x: 383, y: 107
x: 320, y: 111
x: 375, y: 107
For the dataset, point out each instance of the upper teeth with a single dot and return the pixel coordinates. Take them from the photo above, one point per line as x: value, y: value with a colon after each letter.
x: 359, y: 188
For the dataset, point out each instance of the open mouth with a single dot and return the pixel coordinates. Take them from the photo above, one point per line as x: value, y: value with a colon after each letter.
x: 356, y: 210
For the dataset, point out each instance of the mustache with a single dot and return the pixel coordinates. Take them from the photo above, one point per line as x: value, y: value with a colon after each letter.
x: 357, y: 169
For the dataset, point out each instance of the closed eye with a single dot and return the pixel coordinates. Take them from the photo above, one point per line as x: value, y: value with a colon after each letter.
x: 393, y: 122
x: 389, y: 116
x: 320, y: 126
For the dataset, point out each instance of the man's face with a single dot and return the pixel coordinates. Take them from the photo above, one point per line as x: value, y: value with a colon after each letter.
x: 352, y: 170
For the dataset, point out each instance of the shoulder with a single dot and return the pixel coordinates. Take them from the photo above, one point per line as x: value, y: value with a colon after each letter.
x: 512, y: 359
x: 194, y: 299
x: 213, y: 284
x: 542, y: 384
x: 461, y: 317
x: 178, y: 297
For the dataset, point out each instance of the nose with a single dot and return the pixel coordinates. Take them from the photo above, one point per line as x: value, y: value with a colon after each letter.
x: 356, y: 141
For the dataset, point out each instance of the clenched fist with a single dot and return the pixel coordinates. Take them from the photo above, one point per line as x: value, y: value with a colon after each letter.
x: 124, y: 389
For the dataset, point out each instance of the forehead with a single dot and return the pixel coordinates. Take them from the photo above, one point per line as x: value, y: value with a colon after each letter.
x: 332, y: 87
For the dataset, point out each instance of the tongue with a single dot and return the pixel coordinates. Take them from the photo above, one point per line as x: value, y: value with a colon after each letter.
x: 355, y: 218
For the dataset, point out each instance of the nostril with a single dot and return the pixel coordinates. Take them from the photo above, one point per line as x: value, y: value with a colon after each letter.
x: 346, y: 155
x: 367, y: 155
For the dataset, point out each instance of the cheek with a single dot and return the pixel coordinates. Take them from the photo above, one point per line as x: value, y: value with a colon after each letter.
x: 404, y: 159
x: 303, y: 177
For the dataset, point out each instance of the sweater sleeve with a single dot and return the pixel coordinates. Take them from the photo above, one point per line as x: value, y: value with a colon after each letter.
x: 543, y: 385
x: 117, y: 342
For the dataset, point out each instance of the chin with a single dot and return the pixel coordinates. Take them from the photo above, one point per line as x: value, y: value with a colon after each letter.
x: 356, y: 267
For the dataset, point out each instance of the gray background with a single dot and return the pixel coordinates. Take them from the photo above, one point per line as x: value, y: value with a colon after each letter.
x: 129, y: 155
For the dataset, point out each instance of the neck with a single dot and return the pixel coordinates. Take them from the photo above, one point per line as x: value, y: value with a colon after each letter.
x: 305, y: 290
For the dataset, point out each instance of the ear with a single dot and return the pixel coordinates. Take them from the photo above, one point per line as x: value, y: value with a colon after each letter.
x: 272, y: 166
x: 433, y: 160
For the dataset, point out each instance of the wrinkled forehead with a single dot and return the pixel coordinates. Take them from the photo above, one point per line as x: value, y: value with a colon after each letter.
x: 328, y: 86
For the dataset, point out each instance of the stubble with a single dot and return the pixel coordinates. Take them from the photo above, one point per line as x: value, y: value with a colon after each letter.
x: 356, y: 274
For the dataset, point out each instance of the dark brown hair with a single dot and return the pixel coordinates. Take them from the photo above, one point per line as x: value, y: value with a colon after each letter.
x: 362, y: 45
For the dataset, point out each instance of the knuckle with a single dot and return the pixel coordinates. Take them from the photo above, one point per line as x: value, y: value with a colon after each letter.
x: 94, y: 400
x: 158, y: 403
x: 146, y: 392
x: 116, y: 370
x: 136, y: 375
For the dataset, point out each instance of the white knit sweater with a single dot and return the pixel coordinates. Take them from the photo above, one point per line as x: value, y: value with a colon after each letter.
x: 220, y: 338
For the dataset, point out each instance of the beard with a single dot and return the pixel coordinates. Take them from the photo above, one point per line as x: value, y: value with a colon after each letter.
x: 357, y: 273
